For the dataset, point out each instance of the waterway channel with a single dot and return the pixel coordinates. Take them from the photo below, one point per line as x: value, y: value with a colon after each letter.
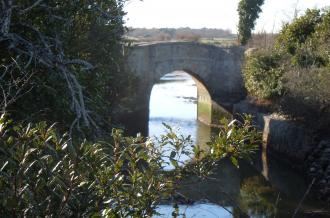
x: 265, y: 187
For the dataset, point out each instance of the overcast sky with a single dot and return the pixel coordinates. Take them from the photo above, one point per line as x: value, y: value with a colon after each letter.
x: 211, y: 13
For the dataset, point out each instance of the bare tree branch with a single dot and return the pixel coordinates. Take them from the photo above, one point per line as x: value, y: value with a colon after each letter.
x: 47, y: 52
x: 5, y: 16
x: 35, y: 4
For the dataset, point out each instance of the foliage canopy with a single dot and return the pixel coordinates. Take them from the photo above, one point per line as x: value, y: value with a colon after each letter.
x: 64, y: 56
x: 248, y: 12
x: 295, y: 72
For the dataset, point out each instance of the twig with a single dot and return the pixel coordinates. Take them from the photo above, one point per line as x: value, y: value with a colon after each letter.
x: 50, y: 55
x: 303, y: 198
x: 276, y: 203
x: 35, y: 4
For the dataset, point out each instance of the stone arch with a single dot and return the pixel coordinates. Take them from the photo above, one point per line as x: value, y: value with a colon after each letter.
x: 217, y: 69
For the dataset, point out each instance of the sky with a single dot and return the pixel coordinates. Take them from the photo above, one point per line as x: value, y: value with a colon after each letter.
x: 211, y: 13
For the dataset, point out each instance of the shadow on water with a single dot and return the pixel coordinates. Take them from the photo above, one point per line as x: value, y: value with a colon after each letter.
x: 264, y: 187
x: 246, y: 189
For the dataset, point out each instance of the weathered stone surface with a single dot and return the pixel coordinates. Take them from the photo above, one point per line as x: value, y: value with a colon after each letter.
x: 219, y: 68
x: 279, y: 134
x: 287, y: 138
x: 294, y: 143
x: 217, y: 71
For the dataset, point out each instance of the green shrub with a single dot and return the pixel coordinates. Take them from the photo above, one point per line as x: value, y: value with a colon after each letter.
x: 307, y: 77
x: 296, y: 70
x: 263, y: 75
x: 308, y: 96
x: 321, y: 38
x: 306, y: 39
x: 293, y: 35
x: 314, y: 52
x: 306, y: 56
x: 42, y: 174
x: 236, y: 139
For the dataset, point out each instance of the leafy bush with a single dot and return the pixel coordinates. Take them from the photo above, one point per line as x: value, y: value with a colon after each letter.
x: 308, y: 89
x: 263, y: 74
x: 306, y: 39
x: 314, y: 52
x: 293, y: 35
x: 295, y: 73
x: 320, y: 39
x: 44, y: 174
x: 236, y: 139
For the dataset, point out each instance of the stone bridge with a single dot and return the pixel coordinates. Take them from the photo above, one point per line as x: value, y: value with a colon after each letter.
x: 216, y: 71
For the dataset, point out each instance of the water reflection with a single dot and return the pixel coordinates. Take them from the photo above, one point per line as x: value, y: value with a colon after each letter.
x: 206, y: 210
x: 173, y: 101
x: 230, y: 190
x: 245, y: 190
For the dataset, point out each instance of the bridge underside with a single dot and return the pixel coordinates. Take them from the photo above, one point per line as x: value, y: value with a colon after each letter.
x: 216, y: 71
x: 209, y: 112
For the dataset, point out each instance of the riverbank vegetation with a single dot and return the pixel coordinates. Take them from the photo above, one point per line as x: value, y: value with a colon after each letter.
x: 44, y: 174
x: 61, y: 63
x: 294, y: 73
x: 63, y: 87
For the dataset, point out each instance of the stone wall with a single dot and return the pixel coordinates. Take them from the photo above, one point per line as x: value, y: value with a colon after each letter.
x: 294, y: 144
x: 280, y: 134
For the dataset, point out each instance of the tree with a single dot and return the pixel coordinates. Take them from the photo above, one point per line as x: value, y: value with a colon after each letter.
x: 248, y: 11
x: 65, y: 57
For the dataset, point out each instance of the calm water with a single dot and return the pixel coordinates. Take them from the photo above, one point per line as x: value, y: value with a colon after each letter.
x: 173, y: 101
x: 263, y: 188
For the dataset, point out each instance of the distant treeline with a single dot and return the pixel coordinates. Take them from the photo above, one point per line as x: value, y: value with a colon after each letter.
x: 164, y: 34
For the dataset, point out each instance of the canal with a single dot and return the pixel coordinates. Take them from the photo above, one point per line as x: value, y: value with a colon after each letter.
x: 265, y: 187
